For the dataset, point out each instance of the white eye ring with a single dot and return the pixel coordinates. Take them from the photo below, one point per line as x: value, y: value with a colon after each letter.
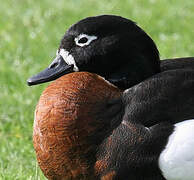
x: 89, y: 40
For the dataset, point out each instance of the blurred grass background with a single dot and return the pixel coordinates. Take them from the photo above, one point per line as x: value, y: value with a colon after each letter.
x: 30, y: 31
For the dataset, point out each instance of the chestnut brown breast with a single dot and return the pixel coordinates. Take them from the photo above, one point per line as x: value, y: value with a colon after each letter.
x: 65, y: 125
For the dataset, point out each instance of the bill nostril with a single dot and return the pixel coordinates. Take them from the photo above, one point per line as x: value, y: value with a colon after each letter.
x: 53, y: 65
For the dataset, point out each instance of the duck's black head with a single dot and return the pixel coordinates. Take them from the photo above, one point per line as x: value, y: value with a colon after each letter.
x: 111, y: 46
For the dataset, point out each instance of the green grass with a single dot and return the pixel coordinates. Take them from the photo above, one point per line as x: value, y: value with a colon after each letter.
x: 30, y: 31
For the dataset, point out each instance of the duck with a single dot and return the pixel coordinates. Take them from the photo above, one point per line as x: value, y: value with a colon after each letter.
x: 84, y: 129
x: 111, y: 46
x: 156, y: 94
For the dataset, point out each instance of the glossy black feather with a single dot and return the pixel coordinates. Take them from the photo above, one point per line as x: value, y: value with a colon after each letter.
x: 151, y: 110
x: 123, y: 53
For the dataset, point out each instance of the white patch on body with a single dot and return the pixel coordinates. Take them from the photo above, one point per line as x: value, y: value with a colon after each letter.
x: 88, y: 37
x: 68, y: 58
x: 177, y: 159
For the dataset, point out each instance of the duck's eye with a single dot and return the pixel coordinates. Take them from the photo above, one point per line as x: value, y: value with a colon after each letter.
x: 84, y: 40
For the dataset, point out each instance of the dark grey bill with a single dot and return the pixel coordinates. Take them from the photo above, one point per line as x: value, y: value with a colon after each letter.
x: 56, y: 69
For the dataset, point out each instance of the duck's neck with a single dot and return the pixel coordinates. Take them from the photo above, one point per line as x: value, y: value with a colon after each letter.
x: 133, y: 72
